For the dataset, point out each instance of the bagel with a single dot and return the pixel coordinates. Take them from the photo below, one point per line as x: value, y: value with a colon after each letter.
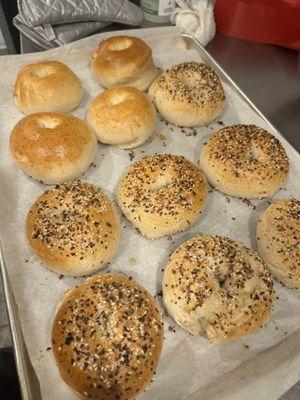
x: 124, y: 60
x: 217, y: 285
x: 107, y: 337
x: 47, y: 86
x: 245, y: 161
x: 73, y: 228
x: 188, y: 94
x: 122, y: 116
x: 52, y: 147
x: 162, y: 194
x: 278, y: 240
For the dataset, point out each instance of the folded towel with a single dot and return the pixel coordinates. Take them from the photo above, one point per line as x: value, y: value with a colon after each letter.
x: 196, y: 17
x: 41, y: 12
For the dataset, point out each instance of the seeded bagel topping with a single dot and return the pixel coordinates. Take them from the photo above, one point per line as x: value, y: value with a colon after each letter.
x: 74, y: 217
x: 278, y: 236
x: 286, y: 221
x: 162, y: 194
x: 218, y: 285
x: 163, y: 184
x: 231, y: 269
x: 192, y: 82
x: 110, y: 331
x: 245, y: 161
x: 244, y: 149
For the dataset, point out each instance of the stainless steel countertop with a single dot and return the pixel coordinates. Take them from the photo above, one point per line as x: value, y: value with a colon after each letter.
x: 270, y: 76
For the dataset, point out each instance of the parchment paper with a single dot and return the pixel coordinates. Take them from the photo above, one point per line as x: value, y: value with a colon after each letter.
x: 261, y: 366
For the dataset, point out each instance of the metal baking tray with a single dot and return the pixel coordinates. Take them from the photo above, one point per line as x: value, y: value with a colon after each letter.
x: 29, y: 384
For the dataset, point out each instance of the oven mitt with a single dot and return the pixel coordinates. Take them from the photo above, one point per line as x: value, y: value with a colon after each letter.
x: 51, y: 23
x: 47, y: 36
x: 41, y: 12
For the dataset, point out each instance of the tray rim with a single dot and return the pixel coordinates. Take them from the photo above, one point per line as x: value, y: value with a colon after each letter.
x: 210, y: 60
x: 24, y: 367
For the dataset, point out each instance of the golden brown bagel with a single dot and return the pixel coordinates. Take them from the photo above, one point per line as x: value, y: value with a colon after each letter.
x: 214, y: 284
x: 122, y: 116
x: 124, y: 60
x: 162, y: 194
x: 245, y: 161
x: 278, y: 240
x: 73, y: 228
x: 52, y: 147
x: 47, y: 86
x: 107, y: 337
x: 188, y: 94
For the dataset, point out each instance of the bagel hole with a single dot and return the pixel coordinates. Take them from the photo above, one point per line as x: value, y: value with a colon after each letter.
x: 117, y: 99
x: 121, y: 44
x: 44, y: 71
x: 220, y: 275
x: 221, y: 279
x: 161, y: 182
x: 189, y: 81
x: 251, y: 286
x: 48, y: 122
x: 255, y: 154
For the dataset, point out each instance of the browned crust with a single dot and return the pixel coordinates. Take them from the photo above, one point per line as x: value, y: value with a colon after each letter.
x: 52, y: 147
x: 73, y: 228
x: 39, y: 145
x: 117, y: 66
x: 107, y: 337
x: 122, y: 116
x: 47, y: 86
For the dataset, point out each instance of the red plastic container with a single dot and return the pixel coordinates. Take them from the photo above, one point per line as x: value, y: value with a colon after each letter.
x: 264, y: 21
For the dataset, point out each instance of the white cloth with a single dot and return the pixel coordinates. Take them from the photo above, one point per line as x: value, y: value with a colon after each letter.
x: 195, y: 17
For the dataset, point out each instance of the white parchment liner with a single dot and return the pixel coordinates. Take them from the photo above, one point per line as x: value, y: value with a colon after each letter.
x: 261, y: 366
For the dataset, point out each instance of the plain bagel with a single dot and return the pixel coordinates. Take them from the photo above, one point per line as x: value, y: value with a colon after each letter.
x: 47, y: 86
x: 245, y: 161
x: 162, y: 194
x: 122, y: 116
x: 188, y: 94
x: 124, y: 60
x: 52, y: 147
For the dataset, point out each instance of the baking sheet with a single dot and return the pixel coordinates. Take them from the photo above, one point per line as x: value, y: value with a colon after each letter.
x: 263, y: 365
